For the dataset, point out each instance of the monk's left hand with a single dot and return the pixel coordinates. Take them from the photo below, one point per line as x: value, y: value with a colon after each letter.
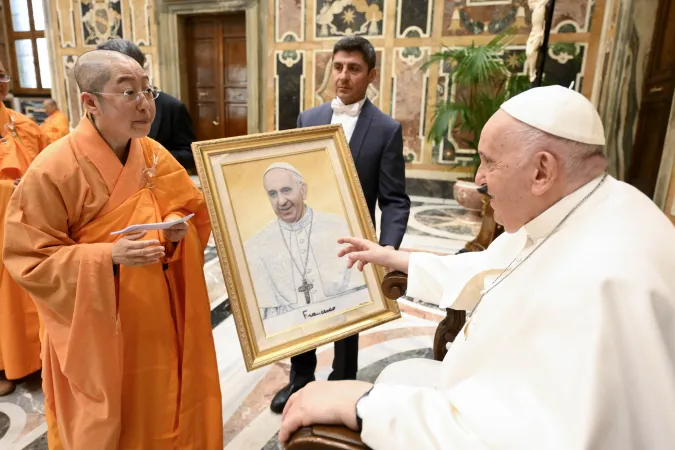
x: 176, y: 232
x: 322, y: 402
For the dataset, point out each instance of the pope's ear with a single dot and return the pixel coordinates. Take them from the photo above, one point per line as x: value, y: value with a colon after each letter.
x: 547, y: 171
x: 303, y: 188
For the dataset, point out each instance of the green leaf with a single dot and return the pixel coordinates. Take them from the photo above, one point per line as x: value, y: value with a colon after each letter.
x: 482, y: 83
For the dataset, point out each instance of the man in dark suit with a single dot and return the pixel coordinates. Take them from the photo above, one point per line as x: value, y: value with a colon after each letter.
x: 376, y: 144
x: 172, y: 126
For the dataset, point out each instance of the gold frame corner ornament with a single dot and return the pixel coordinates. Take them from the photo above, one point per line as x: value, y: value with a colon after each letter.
x: 255, y: 358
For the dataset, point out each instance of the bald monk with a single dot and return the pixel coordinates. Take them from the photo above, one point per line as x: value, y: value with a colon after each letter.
x: 20, y: 143
x: 128, y: 360
x: 56, y: 124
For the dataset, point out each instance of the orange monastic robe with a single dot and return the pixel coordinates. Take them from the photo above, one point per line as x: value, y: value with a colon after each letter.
x: 21, y: 142
x: 128, y: 359
x: 56, y: 126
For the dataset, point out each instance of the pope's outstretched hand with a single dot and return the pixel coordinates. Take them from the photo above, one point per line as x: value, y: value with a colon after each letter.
x: 362, y: 251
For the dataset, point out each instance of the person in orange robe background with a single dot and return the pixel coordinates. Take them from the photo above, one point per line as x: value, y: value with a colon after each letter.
x: 128, y: 360
x: 56, y: 125
x: 20, y: 143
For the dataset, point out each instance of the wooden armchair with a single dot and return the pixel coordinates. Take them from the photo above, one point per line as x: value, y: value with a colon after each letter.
x: 326, y: 437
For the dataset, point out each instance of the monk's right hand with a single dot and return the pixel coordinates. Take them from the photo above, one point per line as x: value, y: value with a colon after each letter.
x: 130, y: 251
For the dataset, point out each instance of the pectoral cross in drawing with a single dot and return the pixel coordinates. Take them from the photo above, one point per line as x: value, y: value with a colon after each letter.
x: 305, y: 287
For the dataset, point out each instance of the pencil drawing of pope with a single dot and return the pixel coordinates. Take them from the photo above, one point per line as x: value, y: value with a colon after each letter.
x: 293, y: 260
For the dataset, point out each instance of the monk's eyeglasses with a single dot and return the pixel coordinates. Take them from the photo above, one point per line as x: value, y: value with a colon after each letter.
x: 130, y: 95
x: 5, y: 79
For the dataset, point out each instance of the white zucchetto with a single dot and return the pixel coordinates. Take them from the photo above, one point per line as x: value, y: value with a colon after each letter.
x: 558, y: 111
x: 285, y: 166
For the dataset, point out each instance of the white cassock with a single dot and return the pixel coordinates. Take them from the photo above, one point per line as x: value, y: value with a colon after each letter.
x: 284, y: 255
x: 575, y: 349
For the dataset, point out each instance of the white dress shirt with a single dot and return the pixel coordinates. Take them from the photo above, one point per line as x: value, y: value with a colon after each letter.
x: 346, y: 119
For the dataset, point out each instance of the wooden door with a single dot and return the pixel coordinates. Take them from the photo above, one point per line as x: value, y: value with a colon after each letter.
x: 217, y: 77
x: 643, y: 167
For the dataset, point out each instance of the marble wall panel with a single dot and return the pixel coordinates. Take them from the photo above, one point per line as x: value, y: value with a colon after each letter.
x: 148, y: 66
x: 337, y: 18
x: 289, y: 19
x: 71, y: 90
x: 65, y: 18
x: 101, y: 20
x: 414, y: 18
x: 572, y: 16
x: 565, y: 64
x: 289, y: 80
x: 488, y: 2
x: 409, y: 95
x: 464, y: 17
x: 324, y: 86
x: 400, y: 30
x: 140, y: 22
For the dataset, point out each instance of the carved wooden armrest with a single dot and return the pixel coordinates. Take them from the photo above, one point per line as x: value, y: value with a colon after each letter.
x: 447, y: 331
x: 394, y: 285
x: 326, y: 437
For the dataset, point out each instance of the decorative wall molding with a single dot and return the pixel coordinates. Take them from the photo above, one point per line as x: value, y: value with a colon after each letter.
x: 101, y: 20
x: 140, y: 23
x: 71, y: 90
x: 65, y: 16
x: 290, y: 26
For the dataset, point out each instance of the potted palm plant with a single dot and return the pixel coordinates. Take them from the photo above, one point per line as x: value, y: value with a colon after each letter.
x: 482, y: 81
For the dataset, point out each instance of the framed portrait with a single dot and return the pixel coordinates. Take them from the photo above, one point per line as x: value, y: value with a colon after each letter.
x: 278, y: 204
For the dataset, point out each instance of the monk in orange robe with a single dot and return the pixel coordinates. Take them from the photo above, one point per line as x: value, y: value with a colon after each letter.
x: 56, y: 125
x: 128, y: 354
x: 20, y: 143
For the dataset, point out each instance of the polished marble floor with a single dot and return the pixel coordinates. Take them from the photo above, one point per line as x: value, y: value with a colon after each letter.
x: 435, y: 225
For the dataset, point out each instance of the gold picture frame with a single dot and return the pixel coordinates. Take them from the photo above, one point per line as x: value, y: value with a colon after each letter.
x: 249, y: 222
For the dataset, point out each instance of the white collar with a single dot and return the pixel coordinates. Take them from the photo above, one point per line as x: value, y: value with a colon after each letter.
x: 300, y: 224
x: 545, y: 223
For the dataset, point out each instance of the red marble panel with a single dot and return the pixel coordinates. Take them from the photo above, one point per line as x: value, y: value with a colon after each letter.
x: 469, y: 17
x: 576, y: 11
x: 290, y: 16
x: 409, y: 99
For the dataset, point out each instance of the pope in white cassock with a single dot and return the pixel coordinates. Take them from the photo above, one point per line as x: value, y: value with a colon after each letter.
x: 294, y: 260
x: 571, y: 340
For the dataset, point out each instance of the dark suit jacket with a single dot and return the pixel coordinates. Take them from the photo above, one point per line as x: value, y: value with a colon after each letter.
x: 377, y: 150
x: 172, y: 128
